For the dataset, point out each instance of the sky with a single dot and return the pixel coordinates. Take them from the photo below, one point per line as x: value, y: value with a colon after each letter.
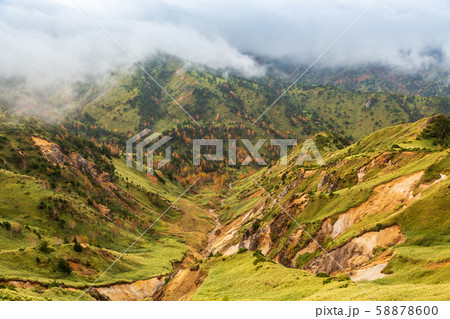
x: 50, y: 40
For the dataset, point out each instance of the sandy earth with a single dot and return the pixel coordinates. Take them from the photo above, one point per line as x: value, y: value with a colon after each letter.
x: 369, y: 273
x: 138, y: 290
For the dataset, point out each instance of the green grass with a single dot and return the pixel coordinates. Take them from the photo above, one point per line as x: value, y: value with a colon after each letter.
x: 168, y: 190
x: 41, y: 294
x: 142, y: 262
x: 237, y: 278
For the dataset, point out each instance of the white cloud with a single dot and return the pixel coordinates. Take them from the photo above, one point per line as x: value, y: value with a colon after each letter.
x: 53, y: 39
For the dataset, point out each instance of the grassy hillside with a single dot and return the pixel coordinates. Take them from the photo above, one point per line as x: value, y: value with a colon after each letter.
x: 69, y: 205
x: 236, y: 277
x: 134, y: 102
x: 392, y: 187
x: 64, y: 221
x: 428, y: 81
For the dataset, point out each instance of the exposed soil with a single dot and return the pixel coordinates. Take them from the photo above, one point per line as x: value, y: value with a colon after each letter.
x: 52, y: 152
x: 226, y: 241
x: 22, y: 284
x: 138, y: 290
x: 212, y: 236
x: 386, y: 197
x: 81, y: 269
x: 369, y: 273
x: 357, y: 252
x: 438, y: 265
x: 182, y: 285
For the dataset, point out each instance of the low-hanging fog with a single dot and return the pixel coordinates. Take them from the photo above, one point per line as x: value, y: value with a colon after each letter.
x: 53, y: 39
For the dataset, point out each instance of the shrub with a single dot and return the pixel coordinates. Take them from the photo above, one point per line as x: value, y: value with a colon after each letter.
x: 242, y: 250
x: 77, y: 247
x: 64, y: 266
x: 439, y: 130
x: 345, y: 285
x: 194, y: 267
x: 10, y: 287
x: 322, y: 275
x: 42, y: 205
x: 44, y: 247
x: 273, y: 236
x: 255, y: 225
x: 343, y: 277
x: 7, y: 225
x: 259, y: 257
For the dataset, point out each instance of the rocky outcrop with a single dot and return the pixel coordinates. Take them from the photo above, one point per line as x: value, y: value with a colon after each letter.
x: 356, y: 252
x: 138, y: 290
x: 287, y: 189
x: 259, y: 239
x: 87, y: 167
x: 381, y: 161
x: 286, y: 254
x: 212, y: 236
x: 264, y: 238
x: 328, y: 183
x: 325, y: 231
x: 386, y: 197
x: 228, y: 238
x: 182, y: 285
x: 52, y: 153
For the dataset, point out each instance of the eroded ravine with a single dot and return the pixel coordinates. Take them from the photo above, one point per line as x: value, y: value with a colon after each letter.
x: 178, y: 285
x: 138, y: 290
x: 212, y: 236
x: 356, y: 255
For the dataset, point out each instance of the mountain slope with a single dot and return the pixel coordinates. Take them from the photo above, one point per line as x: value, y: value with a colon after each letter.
x: 379, y: 211
x: 425, y: 81
x: 69, y: 208
x: 135, y: 102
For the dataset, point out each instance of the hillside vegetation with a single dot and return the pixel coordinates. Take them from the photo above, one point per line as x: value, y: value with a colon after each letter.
x: 69, y: 205
x: 379, y: 208
x: 134, y: 102
x: 68, y: 209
